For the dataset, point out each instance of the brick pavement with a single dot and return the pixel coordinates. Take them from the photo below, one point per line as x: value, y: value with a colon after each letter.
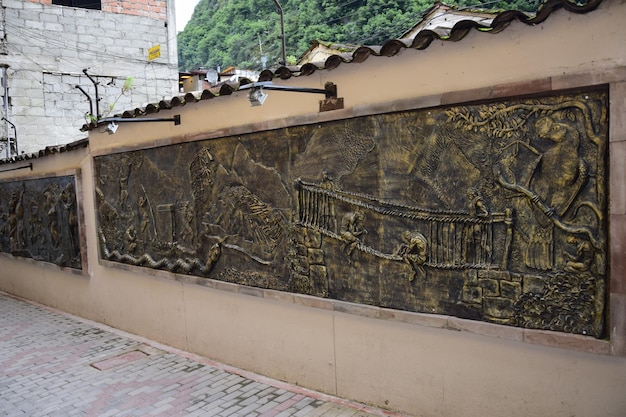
x: 55, y: 364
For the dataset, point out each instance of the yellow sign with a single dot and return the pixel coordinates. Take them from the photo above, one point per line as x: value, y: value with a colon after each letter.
x: 154, y: 52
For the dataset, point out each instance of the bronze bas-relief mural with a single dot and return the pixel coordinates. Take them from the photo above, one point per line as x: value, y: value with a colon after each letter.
x: 493, y: 212
x: 39, y: 220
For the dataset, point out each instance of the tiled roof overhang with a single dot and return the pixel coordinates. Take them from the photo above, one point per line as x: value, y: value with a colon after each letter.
x: 424, y: 38
x: 48, y: 150
x: 390, y: 48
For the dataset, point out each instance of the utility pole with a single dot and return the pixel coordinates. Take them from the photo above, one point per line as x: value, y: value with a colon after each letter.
x: 282, y: 32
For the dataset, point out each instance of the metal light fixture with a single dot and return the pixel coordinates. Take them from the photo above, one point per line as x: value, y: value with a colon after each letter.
x: 257, y: 95
x: 112, y: 128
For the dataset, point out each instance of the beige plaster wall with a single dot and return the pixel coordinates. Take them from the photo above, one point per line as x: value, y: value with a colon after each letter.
x: 591, y: 45
x: 415, y: 363
x: 445, y: 373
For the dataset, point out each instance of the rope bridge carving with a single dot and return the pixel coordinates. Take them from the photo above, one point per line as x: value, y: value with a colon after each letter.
x: 456, y: 239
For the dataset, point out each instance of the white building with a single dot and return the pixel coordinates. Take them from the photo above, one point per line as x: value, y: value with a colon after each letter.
x: 54, y: 52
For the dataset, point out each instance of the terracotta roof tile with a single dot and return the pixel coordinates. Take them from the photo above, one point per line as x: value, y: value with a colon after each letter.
x: 48, y: 150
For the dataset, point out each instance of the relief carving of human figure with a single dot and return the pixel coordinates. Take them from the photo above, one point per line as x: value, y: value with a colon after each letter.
x: 582, y: 260
x: 557, y: 181
x: 475, y: 247
x: 68, y: 199
x: 16, y: 218
x: 50, y: 205
x: 145, y: 220
x: 554, y: 183
x: 413, y: 252
x: 35, y: 231
x: 186, y: 233
x: 351, y: 230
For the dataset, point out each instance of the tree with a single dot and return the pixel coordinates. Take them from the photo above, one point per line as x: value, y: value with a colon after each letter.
x: 222, y: 33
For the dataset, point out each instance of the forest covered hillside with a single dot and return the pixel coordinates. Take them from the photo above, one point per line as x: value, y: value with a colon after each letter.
x: 246, y: 33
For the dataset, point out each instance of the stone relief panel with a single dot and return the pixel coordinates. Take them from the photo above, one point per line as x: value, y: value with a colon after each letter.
x: 39, y: 220
x: 493, y: 212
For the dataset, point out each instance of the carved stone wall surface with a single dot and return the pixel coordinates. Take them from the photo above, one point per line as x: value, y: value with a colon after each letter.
x: 494, y: 212
x: 39, y: 220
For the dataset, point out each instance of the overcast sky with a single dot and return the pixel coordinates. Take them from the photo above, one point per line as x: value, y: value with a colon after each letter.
x: 184, y: 10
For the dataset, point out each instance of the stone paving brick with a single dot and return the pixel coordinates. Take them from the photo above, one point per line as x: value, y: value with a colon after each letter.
x: 270, y: 413
x: 196, y: 414
x: 304, y: 411
x: 230, y: 411
x: 111, y: 413
x: 46, y: 370
x: 268, y: 406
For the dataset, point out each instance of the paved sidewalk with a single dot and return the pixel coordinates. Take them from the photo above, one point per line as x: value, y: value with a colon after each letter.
x: 54, y: 364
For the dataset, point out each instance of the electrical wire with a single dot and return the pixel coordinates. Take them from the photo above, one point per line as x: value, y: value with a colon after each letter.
x: 28, y: 72
x: 17, y: 66
x: 44, y: 42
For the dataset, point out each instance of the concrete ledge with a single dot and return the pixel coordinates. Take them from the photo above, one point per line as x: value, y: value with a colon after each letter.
x: 568, y: 341
x: 486, y: 329
x: 47, y: 265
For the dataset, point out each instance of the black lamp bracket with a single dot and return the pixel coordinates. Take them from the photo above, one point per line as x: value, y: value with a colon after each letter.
x: 330, y: 101
x: 175, y: 119
x: 329, y: 90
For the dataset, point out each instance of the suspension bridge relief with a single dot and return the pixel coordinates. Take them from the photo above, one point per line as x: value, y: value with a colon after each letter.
x: 439, y: 239
x: 494, y: 212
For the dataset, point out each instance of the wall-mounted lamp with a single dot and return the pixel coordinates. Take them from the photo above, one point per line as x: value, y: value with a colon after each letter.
x: 112, y: 128
x: 257, y: 96
x: 112, y: 122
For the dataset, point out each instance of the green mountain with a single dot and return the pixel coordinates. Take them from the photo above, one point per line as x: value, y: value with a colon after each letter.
x: 246, y: 33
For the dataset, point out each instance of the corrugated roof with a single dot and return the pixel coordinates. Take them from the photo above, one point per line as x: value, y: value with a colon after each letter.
x: 422, y: 39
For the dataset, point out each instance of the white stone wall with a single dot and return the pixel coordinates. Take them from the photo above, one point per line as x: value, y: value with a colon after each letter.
x: 47, y: 48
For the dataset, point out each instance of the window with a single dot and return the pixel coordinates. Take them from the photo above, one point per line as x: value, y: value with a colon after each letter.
x: 85, y: 4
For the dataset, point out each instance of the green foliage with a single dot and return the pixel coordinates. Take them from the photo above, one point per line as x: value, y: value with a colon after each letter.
x: 129, y: 83
x: 222, y: 33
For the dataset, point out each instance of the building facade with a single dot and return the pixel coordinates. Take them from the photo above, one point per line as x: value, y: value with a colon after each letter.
x: 64, y: 62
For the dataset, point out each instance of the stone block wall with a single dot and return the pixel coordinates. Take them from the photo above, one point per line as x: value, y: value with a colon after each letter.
x: 49, y: 47
x: 495, y: 292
